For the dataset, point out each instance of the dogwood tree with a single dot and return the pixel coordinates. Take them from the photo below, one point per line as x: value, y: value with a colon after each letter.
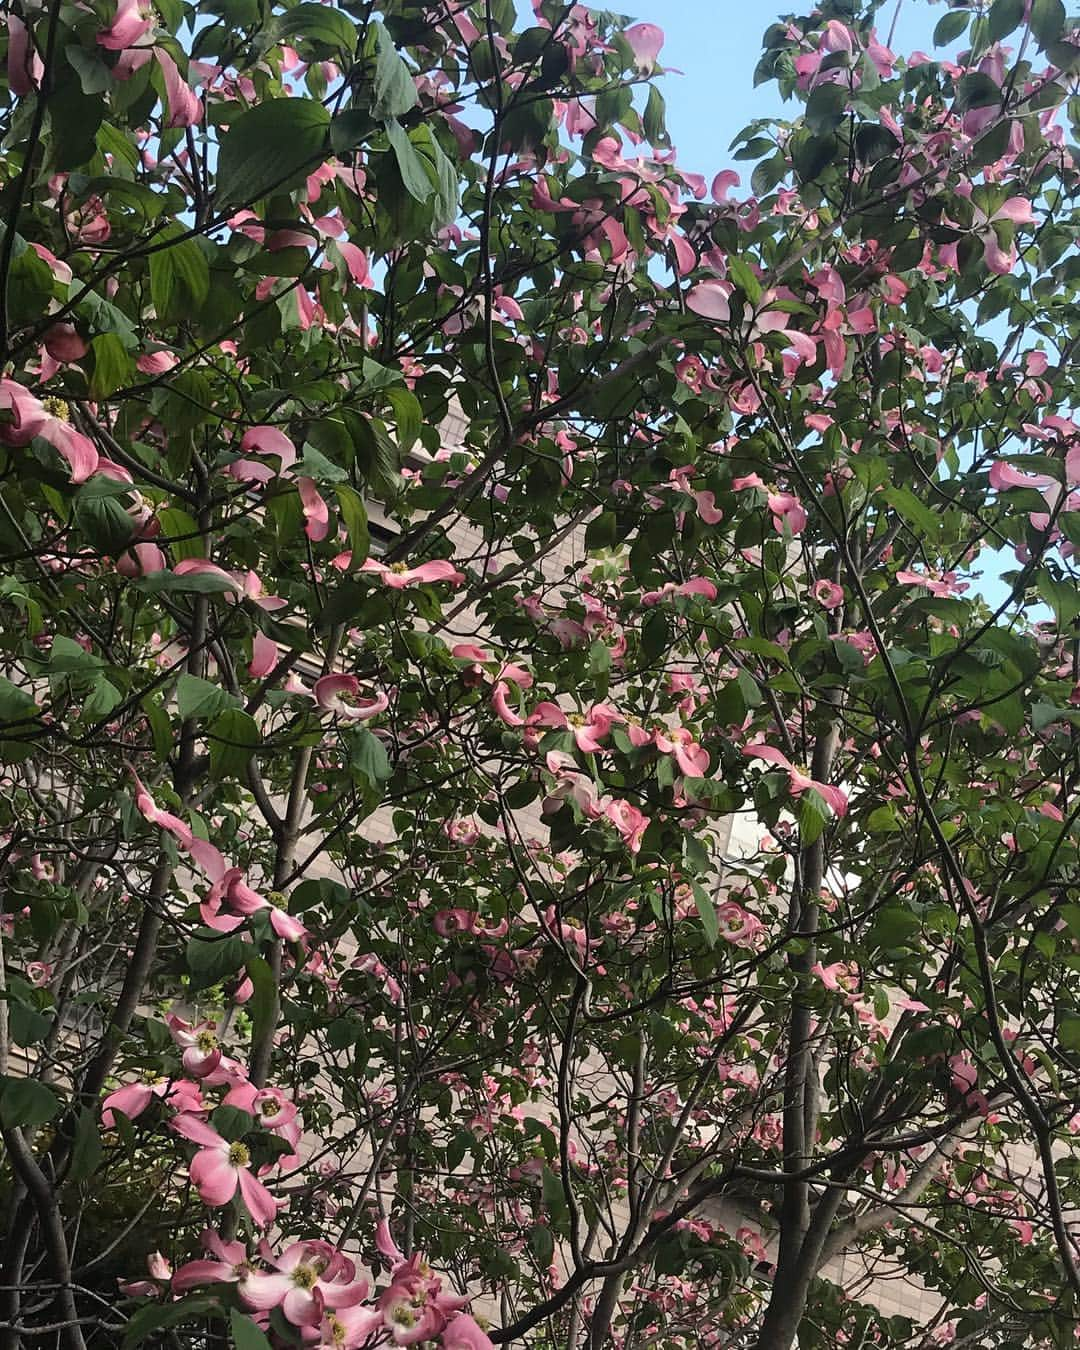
x: 430, y: 515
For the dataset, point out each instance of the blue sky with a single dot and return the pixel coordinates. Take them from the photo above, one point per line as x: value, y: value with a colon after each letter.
x: 716, y: 44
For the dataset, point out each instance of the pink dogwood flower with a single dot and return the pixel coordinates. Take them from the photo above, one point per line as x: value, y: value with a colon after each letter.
x: 691, y: 758
x: 787, y: 511
x: 183, y: 106
x: 340, y: 694
x: 841, y: 976
x: 219, y: 1168
x: 25, y: 67
x: 264, y: 655
x: 132, y: 1099
x: 206, y: 857
x: 235, y: 892
x: 30, y: 417
x: 738, y: 926
x: 308, y: 1277
x: 130, y: 23
x: 241, y: 585
x: 316, y: 512
x: 500, y: 702
x: 264, y: 440
x: 397, y: 576
x: 828, y: 594
x: 231, y: 1265
x: 629, y: 821
x: 835, y: 798
x: 464, y: 1333
x: 199, y: 1043
x: 695, y: 586
x: 645, y: 40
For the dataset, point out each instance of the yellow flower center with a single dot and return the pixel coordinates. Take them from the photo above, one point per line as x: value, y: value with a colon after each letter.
x: 271, y: 1108
x: 206, y: 1041
x: 403, y: 1316
x: 239, y: 1155
x: 399, y: 568
x: 57, y: 407
x: 305, y: 1277
x: 575, y: 719
x: 337, y: 1331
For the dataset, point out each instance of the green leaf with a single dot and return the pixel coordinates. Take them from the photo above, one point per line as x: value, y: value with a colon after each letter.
x: 234, y: 738
x: 653, y: 119
x: 914, y: 511
x: 976, y: 90
x: 181, y: 530
x: 812, y: 156
x: 542, y: 1244
x: 16, y: 705
x: 319, y: 23
x: 263, y: 1003
x: 741, y: 273
x: 1004, y: 17
x: 95, y: 77
x: 813, y: 817
x: 179, y: 280
x: 104, y: 317
x: 1048, y: 20
x: 882, y: 820
x: 1069, y: 1031
x: 950, y: 27
x: 407, y: 416
x: 232, y: 1122
x: 246, y: 1335
x: 200, y: 699
x: 159, y: 1316
x: 212, y: 957
x: 198, y: 583
x: 269, y: 147
x: 874, y: 142
x: 393, y: 90
x: 1063, y: 596
x: 354, y: 514
x: 825, y: 108
x: 368, y: 757
x: 112, y: 368
x: 26, y: 1102
x: 102, y: 520
x: 87, y: 1150
x: 706, y: 908
x: 768, y: 173
x: 410, y: 163
x: 74, y: 118
x: 893, y: 927
x: 28, y: 1027
x: 551, y: 1189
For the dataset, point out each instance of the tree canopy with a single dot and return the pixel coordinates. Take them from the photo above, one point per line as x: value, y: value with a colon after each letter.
x: 539, y: 763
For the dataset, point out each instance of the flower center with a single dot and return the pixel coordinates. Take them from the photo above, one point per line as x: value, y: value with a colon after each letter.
x: 403, y: 1315
x: 399, y: 568
x: 337, y: 1331
x: 206, y: 1041
x: 239, y: 1155
x: 305, y: 1277
x: 57, y: 407
x: 271, y: 1108
x: 575, y: 719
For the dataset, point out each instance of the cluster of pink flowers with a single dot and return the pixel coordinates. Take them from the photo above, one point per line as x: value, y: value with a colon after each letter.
x: 316, y: 1289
